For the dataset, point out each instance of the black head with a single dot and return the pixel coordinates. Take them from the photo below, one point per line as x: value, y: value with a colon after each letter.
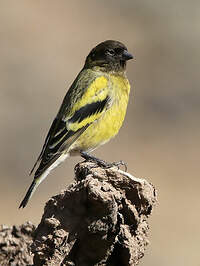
x: 109, y: 55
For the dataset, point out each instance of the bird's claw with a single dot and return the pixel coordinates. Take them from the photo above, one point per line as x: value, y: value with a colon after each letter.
x: 103, y: 163
x: 118, y: 164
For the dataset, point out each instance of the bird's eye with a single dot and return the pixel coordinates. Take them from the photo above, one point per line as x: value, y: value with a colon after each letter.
x: 110, y: 52
x: 118, y: 50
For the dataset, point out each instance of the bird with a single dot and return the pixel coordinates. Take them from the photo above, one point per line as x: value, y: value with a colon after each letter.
x: 92, y: 111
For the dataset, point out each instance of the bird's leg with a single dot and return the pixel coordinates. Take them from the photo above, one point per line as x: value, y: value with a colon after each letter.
x: 90, y: 157
x: 101, y: 162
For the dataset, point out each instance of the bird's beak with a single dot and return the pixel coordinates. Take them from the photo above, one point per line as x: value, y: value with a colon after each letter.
x: 127, y: 56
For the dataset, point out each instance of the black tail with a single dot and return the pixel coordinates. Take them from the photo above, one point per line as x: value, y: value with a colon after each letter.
x: 28, y: 194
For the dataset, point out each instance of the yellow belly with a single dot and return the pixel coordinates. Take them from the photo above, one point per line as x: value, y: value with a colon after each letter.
x: 108, y: 125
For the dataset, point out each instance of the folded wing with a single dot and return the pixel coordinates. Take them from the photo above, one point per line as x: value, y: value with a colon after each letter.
x: 67, y: 128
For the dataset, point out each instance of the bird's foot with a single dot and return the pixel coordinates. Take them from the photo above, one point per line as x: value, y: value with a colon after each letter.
x: 101, y: 162
x: 118, y: 164
x: 90, y: 157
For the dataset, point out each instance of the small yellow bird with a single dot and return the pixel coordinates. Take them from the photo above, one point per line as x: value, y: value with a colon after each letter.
x: 92, y: 111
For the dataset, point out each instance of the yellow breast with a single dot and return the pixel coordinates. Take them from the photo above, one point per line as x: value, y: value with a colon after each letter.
x: 108, y: 125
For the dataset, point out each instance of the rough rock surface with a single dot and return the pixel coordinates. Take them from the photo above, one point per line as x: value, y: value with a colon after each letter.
x: 15, y: 242
x: 101, y: 219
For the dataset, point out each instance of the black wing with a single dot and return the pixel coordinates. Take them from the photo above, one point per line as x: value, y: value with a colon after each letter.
x: 57, y: 140
x: 61, y: 136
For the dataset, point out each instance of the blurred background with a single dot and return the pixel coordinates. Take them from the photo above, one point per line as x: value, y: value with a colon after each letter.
x: 43, y: 46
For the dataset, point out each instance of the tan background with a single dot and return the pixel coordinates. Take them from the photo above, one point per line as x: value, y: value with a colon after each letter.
x: 43, y: 45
